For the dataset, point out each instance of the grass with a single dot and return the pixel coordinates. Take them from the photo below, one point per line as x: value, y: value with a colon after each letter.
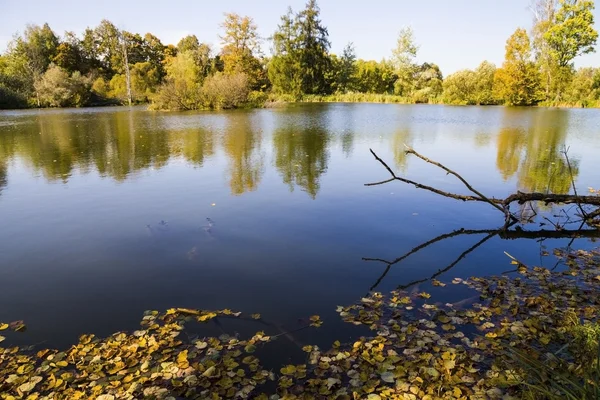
x: 575, y: 376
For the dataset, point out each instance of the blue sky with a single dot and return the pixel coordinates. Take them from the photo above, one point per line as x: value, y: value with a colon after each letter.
x: 454, y: 34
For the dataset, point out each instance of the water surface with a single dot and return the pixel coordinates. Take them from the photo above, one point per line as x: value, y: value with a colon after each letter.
x: 108, y: 212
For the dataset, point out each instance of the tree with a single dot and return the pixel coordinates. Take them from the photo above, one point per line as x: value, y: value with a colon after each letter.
x: 460, y: 88
x: 154, y: 52
x: 314, y: 48
x: 284, y: 69
x: 29, y: 56
x: 584, y: 88
x: 403, y: 57
x: 373, y: 77
x: 467, y: 87
x: 427, y: 83
x: 563, y: 30
x: 484, y: 84
x: 57, y: 89
x: 572, y: 33
x: 518, y: 81
x: 241, y: 49
x: 345, y: 68
x: 107, y: 47
x: 544, y: 12
x: 189, y: 42
x: 69, y: 54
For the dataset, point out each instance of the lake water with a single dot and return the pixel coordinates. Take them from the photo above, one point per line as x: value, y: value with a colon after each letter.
x: 108, y: 212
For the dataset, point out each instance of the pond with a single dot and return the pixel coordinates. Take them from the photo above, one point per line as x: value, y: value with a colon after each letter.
x: 108, y: 212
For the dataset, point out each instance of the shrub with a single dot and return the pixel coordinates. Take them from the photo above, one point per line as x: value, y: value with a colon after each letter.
x: 10, y: 98
x: 57, y: 89
x: 222, y: 91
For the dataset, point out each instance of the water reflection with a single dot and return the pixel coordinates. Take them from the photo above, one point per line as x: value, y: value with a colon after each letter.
x: 242, y: 143
x: 534, y: 152
x: 401, y: 138
x: 119, y: 142
x: 196, y: 145
x: 301, y: 156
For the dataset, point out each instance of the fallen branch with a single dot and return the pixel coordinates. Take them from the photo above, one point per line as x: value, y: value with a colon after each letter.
x: 502, y: 205
x: 471, y: 188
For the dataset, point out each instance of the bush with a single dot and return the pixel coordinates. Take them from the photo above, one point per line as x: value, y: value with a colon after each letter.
x: 222, y: 91
x: 57, y: 89
x: 10, y: 98
x: 257, y: 99
x: 176, y: 95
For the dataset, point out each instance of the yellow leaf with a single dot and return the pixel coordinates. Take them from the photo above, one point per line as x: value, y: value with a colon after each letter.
x: 209, y: 372
x: 449, y: 364
x: 182, y: 361
x: 3, y: 326
x: 288, y: 370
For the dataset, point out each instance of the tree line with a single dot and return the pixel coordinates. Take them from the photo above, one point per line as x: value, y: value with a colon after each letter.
x: 108, y: 65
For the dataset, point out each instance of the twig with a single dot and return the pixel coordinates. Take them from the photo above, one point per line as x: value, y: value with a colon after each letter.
x: 419, y: 185
x: 565, y: 152
x: 514, y: 260
x: 504, y: 210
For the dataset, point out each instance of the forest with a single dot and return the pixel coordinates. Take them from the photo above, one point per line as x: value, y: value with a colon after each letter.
x: 106, y: 65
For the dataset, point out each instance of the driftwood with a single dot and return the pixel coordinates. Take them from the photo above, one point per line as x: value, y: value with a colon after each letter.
x: 503, y: 205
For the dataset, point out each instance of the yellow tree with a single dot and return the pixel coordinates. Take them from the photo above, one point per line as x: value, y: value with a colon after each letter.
x: 517, y: 83
x: 241, y: 49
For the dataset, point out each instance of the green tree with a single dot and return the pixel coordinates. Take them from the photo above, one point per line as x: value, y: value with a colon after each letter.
x: 403, y: 57
x: 584, y: 88
x: 56, y: 88
x: 187, y: 43
x: 428, y: 83
x: 544, y: 12
x: 314, y: 46
x: 107, y: 47
x: 518, y: 81
x: 181, y: 89
x: 284, y: 68
x: 460, y: 88
x: 484, y: 84
x: 563, y: 30
x: 467, y: 87
x: 28, y: 56
x: 373, y: 77
x: 572, y: 33
x: 344, y: 69
x: 69, y: 55
x: 155, y: 53
x: 241, y: 49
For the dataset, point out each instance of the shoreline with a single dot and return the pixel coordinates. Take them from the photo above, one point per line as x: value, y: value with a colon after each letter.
x: 312, y: 99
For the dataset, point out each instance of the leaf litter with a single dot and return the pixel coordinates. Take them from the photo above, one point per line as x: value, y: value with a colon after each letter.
x: 419, y: 349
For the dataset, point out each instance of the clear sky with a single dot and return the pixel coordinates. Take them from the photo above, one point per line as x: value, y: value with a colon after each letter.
x: 454, y: 34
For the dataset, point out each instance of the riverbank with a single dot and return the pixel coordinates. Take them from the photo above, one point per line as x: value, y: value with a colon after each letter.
x: 493, y: 344
x: 270, y: 100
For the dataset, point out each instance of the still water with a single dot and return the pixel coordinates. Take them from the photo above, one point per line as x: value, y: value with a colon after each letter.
x: 112, y: 211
